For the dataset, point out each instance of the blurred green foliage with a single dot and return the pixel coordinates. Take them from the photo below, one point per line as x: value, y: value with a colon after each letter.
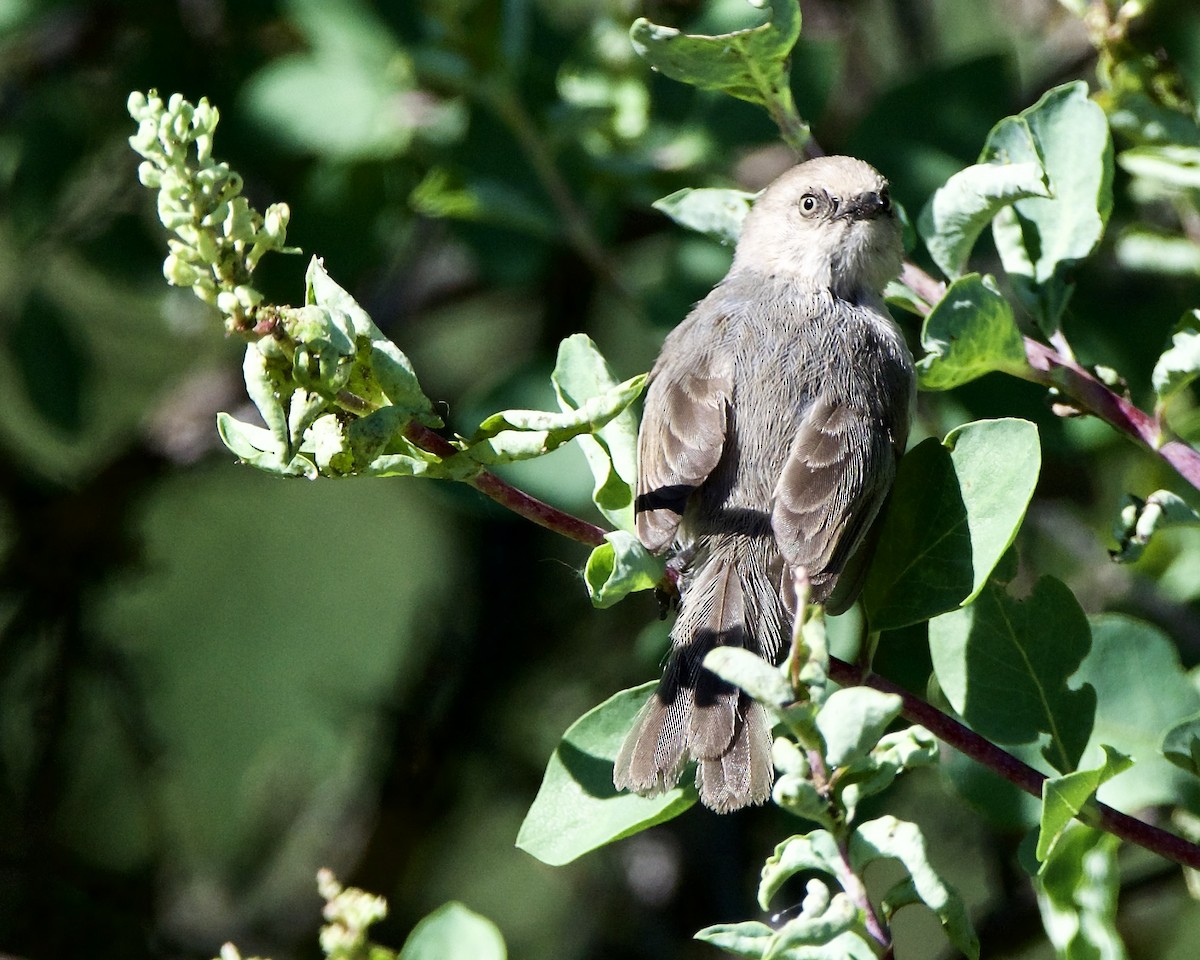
x: 213, y: 682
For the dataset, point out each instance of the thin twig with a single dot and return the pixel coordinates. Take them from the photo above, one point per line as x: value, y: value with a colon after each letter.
x: 508, y: 496
x: 1052, y: 368
x: 1017, y: 772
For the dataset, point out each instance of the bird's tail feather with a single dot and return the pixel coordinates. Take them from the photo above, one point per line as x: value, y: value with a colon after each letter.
x: 730, y: 597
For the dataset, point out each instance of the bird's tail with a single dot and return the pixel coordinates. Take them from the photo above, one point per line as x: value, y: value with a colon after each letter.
x: 730, y: 596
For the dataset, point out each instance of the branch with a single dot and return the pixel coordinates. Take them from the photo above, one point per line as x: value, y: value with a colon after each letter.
x: 1015, y: 771
x: 1056, y: 368
x: 508, y: 496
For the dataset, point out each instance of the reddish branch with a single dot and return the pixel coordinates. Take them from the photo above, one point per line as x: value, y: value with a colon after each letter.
x: 1020, y: 774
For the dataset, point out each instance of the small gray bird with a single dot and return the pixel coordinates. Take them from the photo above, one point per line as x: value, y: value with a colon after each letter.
x: 775, y: 415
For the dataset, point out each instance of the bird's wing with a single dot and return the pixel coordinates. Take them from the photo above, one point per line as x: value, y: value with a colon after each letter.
x: 836, y: 479
x: 680, y: 442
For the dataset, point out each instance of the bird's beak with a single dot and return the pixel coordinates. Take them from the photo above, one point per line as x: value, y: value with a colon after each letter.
x: 866, y: 206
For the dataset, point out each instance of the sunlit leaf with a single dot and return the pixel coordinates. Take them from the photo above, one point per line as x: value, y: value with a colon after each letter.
x: 970, y: 332
x: 454, y: 932
x: 577, y: 808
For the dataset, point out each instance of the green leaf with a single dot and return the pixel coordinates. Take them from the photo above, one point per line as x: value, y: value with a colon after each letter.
x: 577, y: 808
x: 1151, y: 251
x: 970, y: 332
x: 822, y: 919
x: 1179, y: 364
x: 1181, y: 745
x: 1041, y: 239
x: 618, y: 567
x: 895, y: 839
x: 763, y: 681
x: 1063, y: 797
x: 1077, y: 895
x: 1004, y: 664
x: 580, y: 374
x: 1140, y: 519
x: 256, y: 447
x: 958, y: 211
x: 716, y: 213
x: 1171, y: 165
x: 817, y: 850
x: 852, y: 720
x: 1141, y: 691
x: 747, y: 939
x: 748, y: 64
x: 954, y: 511
x: 895, y: 753
x: 522, y: 434
x: 454, y: 932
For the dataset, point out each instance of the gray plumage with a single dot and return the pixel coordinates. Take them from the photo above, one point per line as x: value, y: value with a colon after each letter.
x: 773, y: 421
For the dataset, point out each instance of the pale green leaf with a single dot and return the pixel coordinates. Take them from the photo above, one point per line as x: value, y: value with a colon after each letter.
x: 895, y: 753
x: 454, y: 932
x: 852, y: 720
x: 895, y: 839
x: 747, y: 939
x: 581, y: 373
x: 577, y: 808
x: 521, y: 434
x: 958, y: 211
x: 748, y: 64
x: 1149, y: 251
x: 763, y: 681
x: 1181, y: 745
x: 1077, y: 895
x: 714, y: 212
x: 1041, y: 239
x: 1138, y: 520
x: 1004, y: 665
x: 970, y: 332
x: 1170, y: 164
x: 1179, y: 364
x: 1063, y: 797
x: 1142, y: 691
x: 618, y: 567
x: 817, y: 850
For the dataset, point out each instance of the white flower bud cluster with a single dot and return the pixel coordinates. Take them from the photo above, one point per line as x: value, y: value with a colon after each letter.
x: 219, y: 238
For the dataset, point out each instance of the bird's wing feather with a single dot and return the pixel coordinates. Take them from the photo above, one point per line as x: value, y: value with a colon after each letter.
x: 680, y: 443
x: 833, y: 484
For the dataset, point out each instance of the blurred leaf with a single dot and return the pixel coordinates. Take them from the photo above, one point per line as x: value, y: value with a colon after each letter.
x: 1179, y: 364
x: 1172, y: 165
x: 1041, y: 239
x: 958, y: 211
x: 1141, y: 692
x: 716, y: 213
x: 889, y: 838
x: 954, y: 511
x: 522, y: 434
x: 1077, y: 895
x: 1151, y: 252
x: 1004, y: 665
x: 345, y: 98
x: 620, y: 566
x: 1181, y: 745
x: 970, y: 332
x: 852, y: 720
x: 764, y: 682
x: 748, y: 939
x: 481, y: 200
x: 748, y: 64
x: 1140, y: 519
x: 577, y: 808
x: 453, y: 932
x: 580, y: 373
x: 1063, y: 797
x: 53, y: 366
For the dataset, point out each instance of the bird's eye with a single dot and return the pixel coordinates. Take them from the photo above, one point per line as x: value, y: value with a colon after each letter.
x: 808, y: 203
x: 885, y: 198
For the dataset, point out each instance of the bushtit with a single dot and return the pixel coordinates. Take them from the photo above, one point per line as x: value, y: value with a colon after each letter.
x: 775, y: 415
